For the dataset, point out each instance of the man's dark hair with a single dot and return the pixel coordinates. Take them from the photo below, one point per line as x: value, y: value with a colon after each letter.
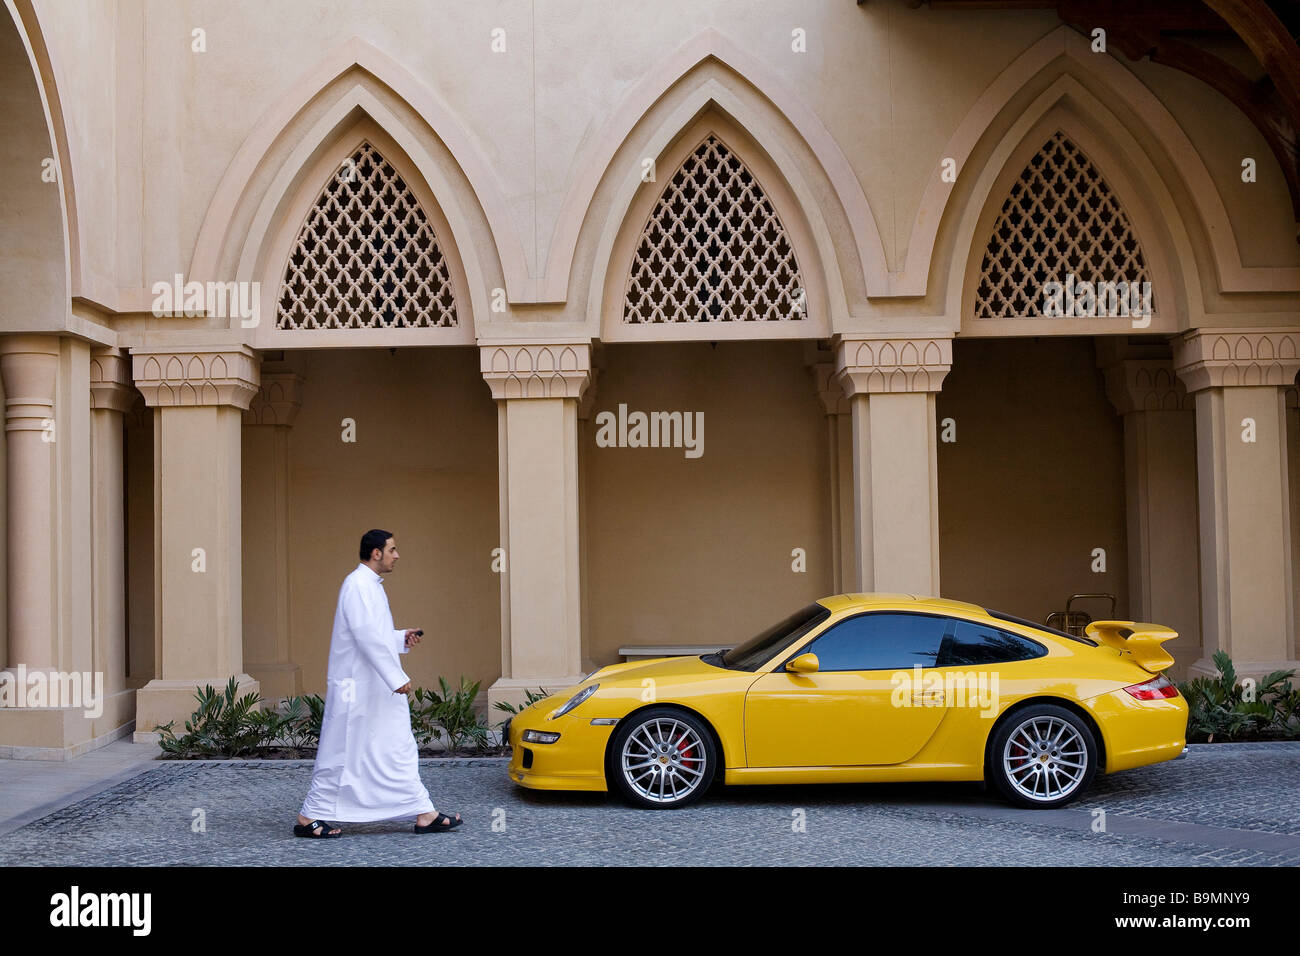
x: 374, y: 538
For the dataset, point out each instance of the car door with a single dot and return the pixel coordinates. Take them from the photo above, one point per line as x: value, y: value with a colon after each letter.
x: 864, y: 706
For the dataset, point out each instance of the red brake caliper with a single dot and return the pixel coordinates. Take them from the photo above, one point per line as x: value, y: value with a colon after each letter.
x: 685, y: 749
x: 1021, y: 753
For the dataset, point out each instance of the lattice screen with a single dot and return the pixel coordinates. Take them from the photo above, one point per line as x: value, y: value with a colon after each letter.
x: 366, y: 257
x: 714, y: 250
x: 1060, y: 218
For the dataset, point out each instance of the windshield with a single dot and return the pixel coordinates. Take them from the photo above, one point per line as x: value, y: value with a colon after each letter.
x: 757, y: 651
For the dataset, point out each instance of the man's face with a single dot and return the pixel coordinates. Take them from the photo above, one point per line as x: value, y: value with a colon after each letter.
x: 388, y: 560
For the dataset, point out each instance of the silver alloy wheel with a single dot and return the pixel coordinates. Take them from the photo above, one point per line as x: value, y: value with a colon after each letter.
x: 664, y: 760
x: 1045, y: 758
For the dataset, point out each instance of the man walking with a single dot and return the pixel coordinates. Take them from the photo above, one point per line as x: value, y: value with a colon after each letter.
x: 367, y: 765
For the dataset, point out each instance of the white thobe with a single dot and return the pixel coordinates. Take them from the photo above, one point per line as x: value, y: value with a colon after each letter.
x: 367, y: 765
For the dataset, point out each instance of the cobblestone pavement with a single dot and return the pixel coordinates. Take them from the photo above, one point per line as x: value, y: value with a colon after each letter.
x: 1225, y: 804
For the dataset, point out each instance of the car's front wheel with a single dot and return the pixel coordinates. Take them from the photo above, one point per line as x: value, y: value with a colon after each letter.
x: 1043, y: 756
x: 662, y: 758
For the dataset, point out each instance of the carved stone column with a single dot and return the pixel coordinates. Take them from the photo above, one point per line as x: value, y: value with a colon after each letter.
x: 199, y: 395
x: 891, y: 382
x: 586, y: 405
x: 1293, y: 475
x: 839, y: 442
x: 1160, y: 497
x: 30, y: 365
x: 265, y: 491
x: 537, y: 387
x: 111, y: 396
x: 1239, y: 378
x: 59, y: 657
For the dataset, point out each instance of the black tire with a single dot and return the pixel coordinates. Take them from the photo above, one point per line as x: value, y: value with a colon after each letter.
x: 1049, y: 744
x: 685, y: 741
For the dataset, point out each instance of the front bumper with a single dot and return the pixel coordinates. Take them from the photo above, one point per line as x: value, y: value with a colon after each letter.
x: 574, y: 762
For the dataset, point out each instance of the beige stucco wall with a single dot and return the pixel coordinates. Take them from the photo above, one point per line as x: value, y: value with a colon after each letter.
x: 686, y: 551
x: 32, y: 264
x: 424, y: 466
x: 173, y: 155
x: 891, y: 86
x: 1034, y: 481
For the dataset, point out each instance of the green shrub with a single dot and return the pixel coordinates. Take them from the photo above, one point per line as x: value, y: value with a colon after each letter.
x: 451, y: 711
x: 301, y: 722
x: 530, y: 697
x: 223, y: 725
x: 226, y: 725
x: 1218, y: 708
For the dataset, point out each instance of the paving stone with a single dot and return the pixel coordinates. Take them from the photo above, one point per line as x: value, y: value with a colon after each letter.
x: 1219, y: 801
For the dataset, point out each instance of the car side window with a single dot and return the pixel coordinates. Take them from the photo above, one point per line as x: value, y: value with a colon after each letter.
x: 970, y: 643
x: 880, y: 641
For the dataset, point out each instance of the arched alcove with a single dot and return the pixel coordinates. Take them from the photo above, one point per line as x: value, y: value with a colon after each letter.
x: 364, y: 255
x: 732, y: 246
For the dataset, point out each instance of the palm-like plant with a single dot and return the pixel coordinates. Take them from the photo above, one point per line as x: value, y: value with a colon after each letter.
x: 1217, y: 706
x: 224, y: 725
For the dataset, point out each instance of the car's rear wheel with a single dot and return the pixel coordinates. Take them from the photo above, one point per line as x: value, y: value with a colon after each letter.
x: 1043, y: 756
x: 662, y: 758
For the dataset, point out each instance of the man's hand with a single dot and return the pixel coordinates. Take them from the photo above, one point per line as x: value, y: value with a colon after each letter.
x: 404, y: 689
x: 413, y: 635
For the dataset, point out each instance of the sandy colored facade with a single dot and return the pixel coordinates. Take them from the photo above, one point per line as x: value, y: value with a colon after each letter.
x: 447, y: 254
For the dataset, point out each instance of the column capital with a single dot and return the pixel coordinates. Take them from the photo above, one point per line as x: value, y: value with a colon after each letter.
x: 170, y: 376
x: 833, y: 399
x: 1145, y: 385
x: 110, y: 380
x: 29, y: 366
x: 866, y: 363
x: 587, y: 403
x: 536, y: 369
x: 1218, y: 358
x: 278, y: 398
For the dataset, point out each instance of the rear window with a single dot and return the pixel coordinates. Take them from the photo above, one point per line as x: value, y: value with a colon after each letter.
x: 1003, y: 616
x: 970, y: 643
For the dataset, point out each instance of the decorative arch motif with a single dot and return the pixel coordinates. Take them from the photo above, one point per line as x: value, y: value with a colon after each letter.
x: 366, y: 257
x: 1061, y: 219
x: 713, y: 250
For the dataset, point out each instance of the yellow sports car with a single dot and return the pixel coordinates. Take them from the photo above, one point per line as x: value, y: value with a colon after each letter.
x: 867, y: 687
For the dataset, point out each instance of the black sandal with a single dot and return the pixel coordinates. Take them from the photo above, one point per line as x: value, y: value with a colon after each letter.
x: 438, y: 826
x: 318, y: 829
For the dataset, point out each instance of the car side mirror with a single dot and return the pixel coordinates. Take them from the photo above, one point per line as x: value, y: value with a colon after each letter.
x: 803, y: 664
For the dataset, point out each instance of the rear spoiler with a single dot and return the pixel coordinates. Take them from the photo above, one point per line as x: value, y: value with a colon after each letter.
x: 1140, y: 641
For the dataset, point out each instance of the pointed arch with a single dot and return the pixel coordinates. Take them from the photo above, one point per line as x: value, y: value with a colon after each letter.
x: 367, y: 256
x: 1171, y: 165
x: 41, y: 236
x: 802, y: 311
x: 713, y: 249
x: 299, y: 209
x: 1066, y: 106
x: 709, y: 73
x: 1060, y: 219
x: 356, y: 81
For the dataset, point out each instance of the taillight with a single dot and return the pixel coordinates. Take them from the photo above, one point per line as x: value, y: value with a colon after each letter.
x: 1158, y: 688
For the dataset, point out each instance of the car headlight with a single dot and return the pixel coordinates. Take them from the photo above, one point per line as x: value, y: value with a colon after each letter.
x: 575, y: 700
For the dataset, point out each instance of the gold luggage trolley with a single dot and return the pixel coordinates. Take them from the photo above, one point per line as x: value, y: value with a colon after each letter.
x: 1073, y: 622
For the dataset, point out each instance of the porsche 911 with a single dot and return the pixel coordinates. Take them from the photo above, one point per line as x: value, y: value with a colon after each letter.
x: 867, y: 688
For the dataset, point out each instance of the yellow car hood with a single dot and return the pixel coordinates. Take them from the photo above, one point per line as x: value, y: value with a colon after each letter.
x: 659, y: 668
